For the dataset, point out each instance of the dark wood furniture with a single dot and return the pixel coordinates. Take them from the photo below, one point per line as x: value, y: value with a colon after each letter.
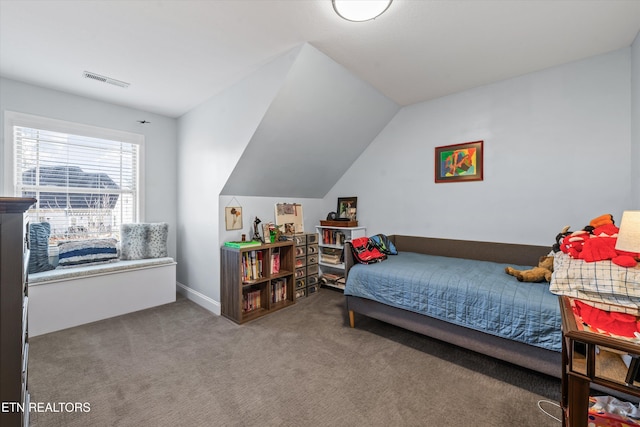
x: 14, y: 338
x: 592, y: 359
x: 538, y: 359
x: 236, y: 291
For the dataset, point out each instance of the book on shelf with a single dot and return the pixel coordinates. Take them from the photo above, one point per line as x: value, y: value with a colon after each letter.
x: 331, y: 259
x: 332, y: 277
x: 252, y: 266
x: 279, y: 290
x: 251, y: 300
x: 275, y: 261
x: 241, y: 245
x: 333, y: 237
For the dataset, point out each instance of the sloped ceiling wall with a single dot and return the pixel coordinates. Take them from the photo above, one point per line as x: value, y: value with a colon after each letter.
x: 320, y: 121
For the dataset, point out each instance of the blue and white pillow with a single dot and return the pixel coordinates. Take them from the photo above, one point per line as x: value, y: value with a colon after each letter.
x: 85, y: 252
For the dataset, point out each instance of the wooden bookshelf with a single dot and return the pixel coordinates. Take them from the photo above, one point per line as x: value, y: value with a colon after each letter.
x: 256, y: 281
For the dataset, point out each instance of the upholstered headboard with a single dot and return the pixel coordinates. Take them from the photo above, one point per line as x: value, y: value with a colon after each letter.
x: 508, y: 253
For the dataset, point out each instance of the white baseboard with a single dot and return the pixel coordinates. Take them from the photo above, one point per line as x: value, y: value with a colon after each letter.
x: 200, y: 299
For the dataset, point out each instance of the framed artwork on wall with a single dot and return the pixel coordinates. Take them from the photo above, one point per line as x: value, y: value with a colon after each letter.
x: 459, y: 162
x: 291, y: 216
x: 347, y: 208
x: 233, y: 217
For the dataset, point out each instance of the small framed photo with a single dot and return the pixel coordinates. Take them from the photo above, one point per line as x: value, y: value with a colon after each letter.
x: 233, y: 217
x: 347, y: 208
x: 459, y: 162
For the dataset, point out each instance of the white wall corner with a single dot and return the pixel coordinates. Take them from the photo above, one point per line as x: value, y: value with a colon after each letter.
x: 202, y: 300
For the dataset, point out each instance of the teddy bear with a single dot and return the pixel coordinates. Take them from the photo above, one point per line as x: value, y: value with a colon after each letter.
x: 536, y: 274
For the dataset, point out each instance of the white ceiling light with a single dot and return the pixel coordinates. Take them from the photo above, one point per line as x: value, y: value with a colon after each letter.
x: 360, y: 10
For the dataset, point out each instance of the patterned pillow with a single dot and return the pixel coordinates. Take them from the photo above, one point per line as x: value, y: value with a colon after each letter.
x: 145, y: 240
x: 85, y: 252
x: 39, y: 247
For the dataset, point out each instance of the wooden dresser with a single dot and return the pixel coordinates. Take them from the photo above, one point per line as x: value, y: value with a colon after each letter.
x: 14, y: 338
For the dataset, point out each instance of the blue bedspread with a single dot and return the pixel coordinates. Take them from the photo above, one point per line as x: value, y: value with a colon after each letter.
x: 474, y: 294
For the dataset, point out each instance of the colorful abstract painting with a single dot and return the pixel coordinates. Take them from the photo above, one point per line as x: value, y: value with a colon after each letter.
x: 459, y: 162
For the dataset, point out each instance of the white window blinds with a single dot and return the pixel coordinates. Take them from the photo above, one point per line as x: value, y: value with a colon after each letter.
x: 86, y: 187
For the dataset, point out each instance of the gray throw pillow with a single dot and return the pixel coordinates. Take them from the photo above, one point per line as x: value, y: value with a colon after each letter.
x: 144, y: 240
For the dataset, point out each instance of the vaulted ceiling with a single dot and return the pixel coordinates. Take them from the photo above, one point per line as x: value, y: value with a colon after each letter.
x: 177, y: 54
x: 320, y: 120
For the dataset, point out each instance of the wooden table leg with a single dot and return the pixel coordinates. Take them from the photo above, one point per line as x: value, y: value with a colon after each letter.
x: 578, y: 405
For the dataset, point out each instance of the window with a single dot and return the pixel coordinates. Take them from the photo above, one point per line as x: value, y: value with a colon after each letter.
x: 86, y: 179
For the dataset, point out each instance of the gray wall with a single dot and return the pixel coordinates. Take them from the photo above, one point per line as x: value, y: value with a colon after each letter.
x: 557, y: 144
x: 285, y: 134
x: 212, y: 137
x: 320, y: 121
x: 556, y: 149
x: 160, y: 140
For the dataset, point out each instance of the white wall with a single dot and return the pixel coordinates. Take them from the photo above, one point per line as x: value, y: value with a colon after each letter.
x: 212, y: 138
x: 268, y: 137
x: 319, y: 122
x: 264, y: 209
x: 556, y: 144
x: 160, y: 139
x: 635, y: 124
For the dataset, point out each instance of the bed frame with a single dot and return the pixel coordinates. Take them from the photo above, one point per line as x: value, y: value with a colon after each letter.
x: 538, y: 359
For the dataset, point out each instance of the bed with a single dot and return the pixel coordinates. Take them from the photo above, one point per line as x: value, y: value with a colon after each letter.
x: 457, y: 291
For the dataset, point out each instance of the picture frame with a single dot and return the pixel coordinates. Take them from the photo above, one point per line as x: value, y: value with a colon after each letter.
x: 233, y: 217
x: 459, y: 162
x: 347, y: 208
x: 290, y: 216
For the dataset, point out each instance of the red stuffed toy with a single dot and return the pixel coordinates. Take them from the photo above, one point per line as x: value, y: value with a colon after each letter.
x: 597, y: 242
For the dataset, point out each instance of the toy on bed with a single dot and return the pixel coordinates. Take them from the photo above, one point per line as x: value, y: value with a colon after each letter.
x: 595, y: 242
x: 536, y: 274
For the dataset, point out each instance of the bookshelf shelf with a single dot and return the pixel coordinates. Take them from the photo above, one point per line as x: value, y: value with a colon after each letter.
x: 256, y: 280
x: 331, y: 245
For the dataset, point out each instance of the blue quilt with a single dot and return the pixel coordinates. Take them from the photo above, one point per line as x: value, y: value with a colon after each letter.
x: 474, y: 294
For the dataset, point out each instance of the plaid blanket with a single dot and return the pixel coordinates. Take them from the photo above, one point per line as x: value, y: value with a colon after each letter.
x: 602, y: 284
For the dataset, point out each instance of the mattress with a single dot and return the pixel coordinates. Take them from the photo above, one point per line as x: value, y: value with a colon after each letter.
x: 475, y: 294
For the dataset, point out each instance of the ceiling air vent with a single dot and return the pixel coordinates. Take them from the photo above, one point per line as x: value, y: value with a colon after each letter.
x: 103, y: 79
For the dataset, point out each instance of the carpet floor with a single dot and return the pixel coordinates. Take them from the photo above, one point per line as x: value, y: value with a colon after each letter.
x: 179, y: 365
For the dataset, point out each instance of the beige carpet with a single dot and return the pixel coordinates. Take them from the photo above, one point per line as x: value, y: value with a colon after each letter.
x: 179, y: 365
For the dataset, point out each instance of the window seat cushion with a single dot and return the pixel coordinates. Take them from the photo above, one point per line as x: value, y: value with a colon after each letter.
x: 95, y: 269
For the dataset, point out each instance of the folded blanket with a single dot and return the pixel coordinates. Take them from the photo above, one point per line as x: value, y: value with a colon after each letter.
x: 600, y: 282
